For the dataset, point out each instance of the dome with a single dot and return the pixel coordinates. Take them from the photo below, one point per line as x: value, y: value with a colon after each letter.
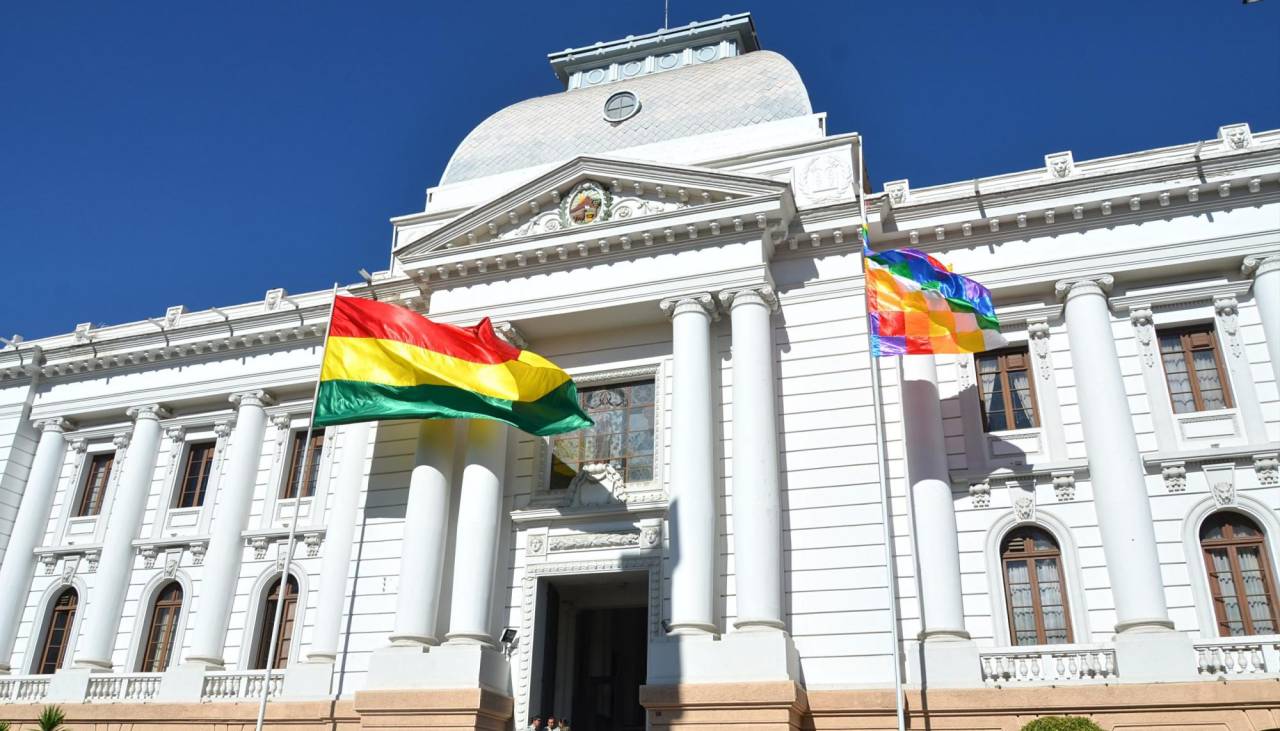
x: 740, y: 91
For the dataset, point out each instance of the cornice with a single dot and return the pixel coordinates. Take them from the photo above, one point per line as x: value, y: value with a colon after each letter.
x: 1183, y: 296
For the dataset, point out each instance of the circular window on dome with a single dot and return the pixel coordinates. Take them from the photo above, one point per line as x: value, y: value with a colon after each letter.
x: 621, y: 106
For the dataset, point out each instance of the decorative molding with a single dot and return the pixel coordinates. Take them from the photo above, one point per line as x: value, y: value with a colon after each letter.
x: 1064, y: 485
x: 1227, y: 310
x: 259, y: 545
x: 312, y: 541
x: 510, y: 333
x: 1174, y: 474
x: 1222, y: 482
x: 1059, y: 165
x: 964, y: 371
x: 70, y: 564
x: 198, y: 549
x: 1023, y: 498
x: 1235, y: 136
x: 1144, y: 331
x: 148, y: 553
x: 50, y: 562
x: 257, y: 398
x: 980, y: 494
x: 587, y: 541
x: 898, y: 192
x: 1180, y: 297
x: 1038, y: 333
x: 56, y: 424
x: 1267, y: 468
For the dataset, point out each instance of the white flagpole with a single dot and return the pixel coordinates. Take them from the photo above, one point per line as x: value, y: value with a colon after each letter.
x: 886, y: 514
x: 277, y: 622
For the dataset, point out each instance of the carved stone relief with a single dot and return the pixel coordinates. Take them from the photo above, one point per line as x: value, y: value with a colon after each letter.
x: 980, y: 494
x: 1227, y: 310
x: 1267, y: 468
x: 1144, y: 331
x: 584, y: 541
x: 1038, y: 333
x: 826, y: 178
x: 1059, y: 165
x: 1174, y: 475
x: 1064, y: 486
x: 1222, y: 482
x: 1235, y: 136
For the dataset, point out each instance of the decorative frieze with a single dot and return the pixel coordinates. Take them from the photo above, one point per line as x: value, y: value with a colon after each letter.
x: 587, y: 541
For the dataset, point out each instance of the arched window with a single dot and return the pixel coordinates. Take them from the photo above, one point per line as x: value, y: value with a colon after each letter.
x: 1240, y: 575
x: 162, y: 629
x: 57, y: 634
x: 1035, y: 588
x: 268, y: 619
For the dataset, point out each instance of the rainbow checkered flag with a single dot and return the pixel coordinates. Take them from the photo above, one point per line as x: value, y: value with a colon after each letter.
x: 916, y: 305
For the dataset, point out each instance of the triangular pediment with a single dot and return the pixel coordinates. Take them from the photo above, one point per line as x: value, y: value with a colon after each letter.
x: 590, y: 193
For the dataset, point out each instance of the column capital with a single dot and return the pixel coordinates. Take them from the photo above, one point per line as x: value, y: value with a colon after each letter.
x: 510, y: 333
x: 57, y: 424
x: 1258, y: 264
x: 699, y: 301
x: 762, y: 294
x: 154, y: 412
x: 257, y: 398
x: 1096, y: 284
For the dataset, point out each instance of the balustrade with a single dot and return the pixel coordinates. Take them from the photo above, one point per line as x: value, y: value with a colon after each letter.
x: 1048, y: 665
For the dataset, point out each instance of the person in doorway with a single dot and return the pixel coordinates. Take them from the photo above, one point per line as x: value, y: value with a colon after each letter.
x: 535, y: 724
x: 552, y: 723
x: 564, y: 724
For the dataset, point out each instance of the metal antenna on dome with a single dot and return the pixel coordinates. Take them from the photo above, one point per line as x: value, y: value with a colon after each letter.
x: 666, y: 14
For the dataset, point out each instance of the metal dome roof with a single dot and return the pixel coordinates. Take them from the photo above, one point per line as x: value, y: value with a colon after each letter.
x: 753, y: 88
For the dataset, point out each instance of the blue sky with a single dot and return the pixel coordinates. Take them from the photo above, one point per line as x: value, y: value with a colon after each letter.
x: 159, y: 153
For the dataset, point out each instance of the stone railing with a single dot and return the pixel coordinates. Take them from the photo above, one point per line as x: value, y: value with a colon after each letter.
x: 122, y: 687
x: 1047, y: 665
x: 24, y: 689
x: 239, y: 685
x: 1238, y: 657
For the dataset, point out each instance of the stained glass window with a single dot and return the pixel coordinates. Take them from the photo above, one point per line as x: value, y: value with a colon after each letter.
x: 622, y: 435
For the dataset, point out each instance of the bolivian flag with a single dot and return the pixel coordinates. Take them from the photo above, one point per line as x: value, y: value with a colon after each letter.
x: 386, y: 362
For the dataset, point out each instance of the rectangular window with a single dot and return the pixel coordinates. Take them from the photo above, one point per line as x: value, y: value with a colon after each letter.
x: 1007, y: 390
x: 195, y: 477
x: 622, y: 435
x: 1193, y: 369
x: 97, y: 475
x: 304, y: 464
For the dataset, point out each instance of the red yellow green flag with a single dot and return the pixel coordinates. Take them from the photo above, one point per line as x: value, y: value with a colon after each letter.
x: 386, y: 362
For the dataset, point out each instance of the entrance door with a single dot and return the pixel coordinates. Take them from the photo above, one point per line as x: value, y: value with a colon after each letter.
x: 610, y: 660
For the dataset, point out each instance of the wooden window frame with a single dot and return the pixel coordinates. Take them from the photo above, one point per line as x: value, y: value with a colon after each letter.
x: 1232, y: 545
x: 266, y: 620
x: 91, y: 488
x: 1030, y: 557
x: 291, y: 488
x: 1002, y: 372
x: 46, y: 665
x: 160, y: 641
x: 1183, y: 334
x: 205, y: 475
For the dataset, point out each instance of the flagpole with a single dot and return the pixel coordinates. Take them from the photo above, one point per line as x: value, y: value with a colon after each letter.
x: 277, y: 622
x: 886, y: 514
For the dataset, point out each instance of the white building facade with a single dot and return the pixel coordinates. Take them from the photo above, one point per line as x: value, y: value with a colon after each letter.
x: 1085, y: 522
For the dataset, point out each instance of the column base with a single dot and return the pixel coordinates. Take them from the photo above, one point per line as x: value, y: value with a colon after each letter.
x: 944, y: 661
x: 5, y: 669
x: 93, y: 665
x: 308, y: 680
x: 760, y: 706
x: 764, y: 655
x: 1154, y: 655
x: 456, y: 709
x: 445, y: 666
x: 206, y: 663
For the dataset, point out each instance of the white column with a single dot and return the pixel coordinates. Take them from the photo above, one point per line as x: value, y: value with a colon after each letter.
x: 757, y: 514
x: 338, y: 541
x: 226, y: 543
x: 1115, y: 464
x: 937, y: 547
x: 124, y: 515
x: 476, y: 544
x: 426, y: 528
x: 28, y: 529
x: 1266, y: 293
x: 692, y: 513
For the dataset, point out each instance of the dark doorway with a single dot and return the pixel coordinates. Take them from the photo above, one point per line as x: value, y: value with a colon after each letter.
x: 592, y: 650
x: 610, y: 663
